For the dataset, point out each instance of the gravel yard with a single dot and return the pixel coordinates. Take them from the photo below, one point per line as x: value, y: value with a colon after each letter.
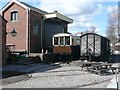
x: 60, y: 76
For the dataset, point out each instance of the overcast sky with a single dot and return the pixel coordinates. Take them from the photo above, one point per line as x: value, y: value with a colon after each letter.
x: 87, y: 14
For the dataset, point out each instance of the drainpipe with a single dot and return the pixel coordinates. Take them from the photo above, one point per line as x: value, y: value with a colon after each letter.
x: 43, y: 31
x: 28, y: 32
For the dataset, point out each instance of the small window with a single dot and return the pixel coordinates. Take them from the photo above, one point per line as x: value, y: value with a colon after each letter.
x: 78, y: 42
x: 55, y: 40
x: 67, y: 40
x: 61, y: 41
x: 117, y: 47
x: 14, y: 16
x: 36, y: 27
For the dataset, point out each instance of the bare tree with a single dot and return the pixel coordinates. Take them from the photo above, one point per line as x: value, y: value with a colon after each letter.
x: 112, y: 28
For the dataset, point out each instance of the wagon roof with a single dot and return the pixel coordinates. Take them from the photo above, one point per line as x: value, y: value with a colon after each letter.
x: 92, y: 34
x: 62, y: 34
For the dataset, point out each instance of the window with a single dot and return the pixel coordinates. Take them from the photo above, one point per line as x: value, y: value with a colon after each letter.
x: 67, y: 40
x: 14, y: 16
x: 78, y: 42
x: 117, y: 47
x: 36, y: 28
x: 55, y: 40
x: 61, y: 41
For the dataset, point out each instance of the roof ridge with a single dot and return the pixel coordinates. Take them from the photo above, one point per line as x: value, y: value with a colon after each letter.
x: 34, y: 8
x: 25, y: 5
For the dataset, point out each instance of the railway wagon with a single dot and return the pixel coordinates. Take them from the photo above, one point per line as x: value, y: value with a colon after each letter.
x: 66, y: 47
x: 94, y: 47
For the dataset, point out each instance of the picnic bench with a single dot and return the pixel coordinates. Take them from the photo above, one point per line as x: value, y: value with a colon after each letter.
x: 99, y: 68
x: 103, y: 68
x: 88, y: 64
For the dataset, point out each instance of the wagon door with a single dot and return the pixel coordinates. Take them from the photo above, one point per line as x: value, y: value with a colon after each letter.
x: 97, y: 47
x: 83, y: 43
x: 90, y: 45
x: 87, y: 45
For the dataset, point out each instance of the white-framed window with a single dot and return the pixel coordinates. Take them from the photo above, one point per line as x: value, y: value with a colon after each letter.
x: 67, y: 40
x: 61, y: 40
x: 56, y: 41
x: 14, y: 15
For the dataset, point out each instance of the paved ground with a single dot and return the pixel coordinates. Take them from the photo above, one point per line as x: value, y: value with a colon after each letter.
x: 114, y: 81
x: 54, y: 76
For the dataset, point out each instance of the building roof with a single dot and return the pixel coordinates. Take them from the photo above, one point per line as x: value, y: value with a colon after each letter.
x: 63, y: 34
x: 46, y: 14
x: 55, y: 14
x: 34, y: 8
x: 22, y: 4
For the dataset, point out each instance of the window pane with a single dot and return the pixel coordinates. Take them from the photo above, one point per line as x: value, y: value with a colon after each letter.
x: 61, y: 41
x: 67, y: 40
x: 15, y: 16
x: 55, y: 40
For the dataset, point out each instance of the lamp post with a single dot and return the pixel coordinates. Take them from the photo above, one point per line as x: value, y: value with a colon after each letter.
x: 13, y: 33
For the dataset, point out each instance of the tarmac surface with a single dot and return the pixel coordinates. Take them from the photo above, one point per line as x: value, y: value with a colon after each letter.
x: 57, y: 75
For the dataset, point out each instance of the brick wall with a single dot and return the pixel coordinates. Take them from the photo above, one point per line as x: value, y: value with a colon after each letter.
x: 20, y: 25
x: 27, y: 38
